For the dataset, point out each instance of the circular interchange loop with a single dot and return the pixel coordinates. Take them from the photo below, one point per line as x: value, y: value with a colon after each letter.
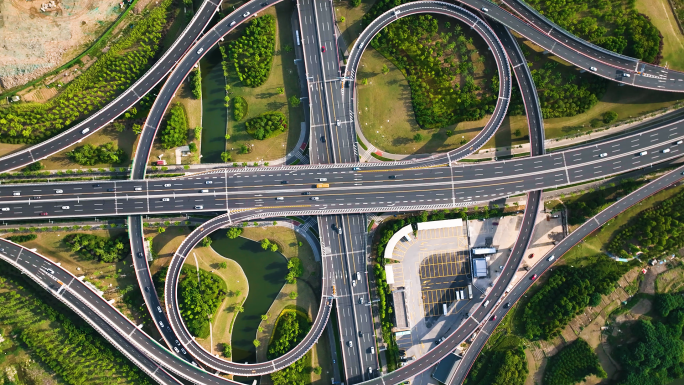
x: 323, y: 314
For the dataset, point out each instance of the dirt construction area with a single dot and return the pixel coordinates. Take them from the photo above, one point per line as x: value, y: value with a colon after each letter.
x: 37, y: 36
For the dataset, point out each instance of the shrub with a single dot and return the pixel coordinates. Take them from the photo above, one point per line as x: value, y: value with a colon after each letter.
x: 89, y: 155
x: 22, y: 238
x: 609, y: 117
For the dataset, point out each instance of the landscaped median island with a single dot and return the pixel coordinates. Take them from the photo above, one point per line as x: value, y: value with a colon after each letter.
x: 610, y: 308
x: 262, y: 84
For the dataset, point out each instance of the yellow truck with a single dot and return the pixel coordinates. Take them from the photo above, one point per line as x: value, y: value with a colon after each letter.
x: 322, y: 185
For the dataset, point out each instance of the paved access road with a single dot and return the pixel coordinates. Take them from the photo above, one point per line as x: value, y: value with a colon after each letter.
x: 123, y: 102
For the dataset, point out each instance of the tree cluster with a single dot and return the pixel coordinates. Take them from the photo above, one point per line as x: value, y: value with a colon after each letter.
x: 499, y: 367
x: 240, y: 108
x: 267, y: 125
x: 616, y: 26
x: 176, y: 131
x: 567, y: 293
x: 289, y: 330
x: 573, y: 364
x: 60, y: 340
x: 234, y: 232
x: 103, y: 249
x: 656, y: 231
x: 90, y: 155
x: 295, y: 270
x: 268, y: 245
x: 439, y: 69
x: 22, y: 238
x: 200, y: 300
x: 114, y: 71
x: 252, y: 53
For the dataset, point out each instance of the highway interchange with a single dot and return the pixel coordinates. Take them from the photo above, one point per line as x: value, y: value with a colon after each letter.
x: 435, y: 183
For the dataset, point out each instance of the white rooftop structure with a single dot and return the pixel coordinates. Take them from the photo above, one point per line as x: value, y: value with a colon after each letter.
x: 403, y: 232
x: 389, y: 274
x: 479, y: 267
x: 440, y: 224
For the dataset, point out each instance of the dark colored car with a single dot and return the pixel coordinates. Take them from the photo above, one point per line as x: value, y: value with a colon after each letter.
x: 323, y: 139
x: 507, y: 305
x: 140, y: 255
x: 147, y: 289
x: 393, y: 177
x: 530, y: 256
x: 284, y: 182
x: 96, y: 185
x: 111, y: 189
x: 306, y: 193
x: 264, y: 4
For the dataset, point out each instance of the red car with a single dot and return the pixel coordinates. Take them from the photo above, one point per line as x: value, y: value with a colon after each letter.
x: 533, y: 277
x: 530, y: 256
x: 323, y: 48
x: 43, y: 213
x: 493, y: 318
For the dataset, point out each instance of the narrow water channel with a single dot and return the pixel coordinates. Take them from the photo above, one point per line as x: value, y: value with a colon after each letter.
x: 265, y: 271
x: 214, y: 116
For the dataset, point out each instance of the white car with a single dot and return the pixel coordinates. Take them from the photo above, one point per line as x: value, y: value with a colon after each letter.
x: 65, y: 207
x: 167, y: 184
x: 199, y: 207
x: 626, y: 75
x: 199, y: 51
x: 138, y: 188
x: 5, y: 209
x: 279, y: 198
x: 16, y: 194
x: 58, y: 191
x: 485, y: 9
x: 593, y: 69
x: 642, y: 153
x: 204, y: 191
x: 551, y: 258
x: 232, y: 23
x: 209, y: 182
x: 85, y: 131
x: 679, y: 142
x: 314, y: 198
x: 165, y: 199
x: 665, y: 151
x: 245, y: 14
x: 603, y: 155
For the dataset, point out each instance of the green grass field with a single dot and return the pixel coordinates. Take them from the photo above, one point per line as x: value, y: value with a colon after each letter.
x: 386, y: 112
x: 352, y: 25
x: 661, y: 16
x: 265, y: 97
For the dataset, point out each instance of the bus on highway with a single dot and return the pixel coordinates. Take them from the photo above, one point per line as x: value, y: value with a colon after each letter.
x: 322, y: 185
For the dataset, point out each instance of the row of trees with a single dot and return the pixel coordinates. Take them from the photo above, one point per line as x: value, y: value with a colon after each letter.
x: 90, y: 155
x: 616, y: 26
x: 568, y: 291
x: 198, y: 301
x: 59, y: 339
x: 656, y: 231
x: 114, y: 71
x: 252, y: 53
x: 289, y: 330
x: 294, y: 270
x: 439, y: 68
x: 267, y: 125
x: 103, y: 249
x: 573, y: 364
x: 196, y: 83
x: 240, y: 108
x: 175, y: 133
